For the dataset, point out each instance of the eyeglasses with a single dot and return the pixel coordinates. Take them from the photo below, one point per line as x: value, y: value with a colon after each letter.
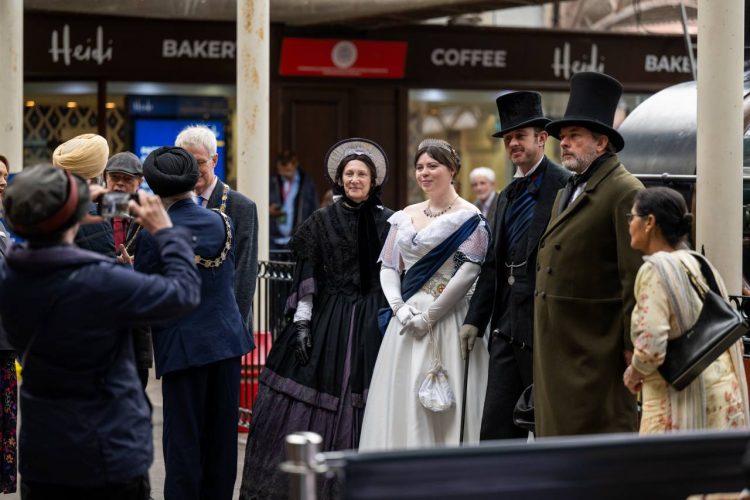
x: 629, y: 216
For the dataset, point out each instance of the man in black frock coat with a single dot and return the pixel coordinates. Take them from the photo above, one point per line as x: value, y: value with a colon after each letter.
x: 505, y: 288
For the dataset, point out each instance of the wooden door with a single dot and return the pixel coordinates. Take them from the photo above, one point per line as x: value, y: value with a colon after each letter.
x: 312, y: 120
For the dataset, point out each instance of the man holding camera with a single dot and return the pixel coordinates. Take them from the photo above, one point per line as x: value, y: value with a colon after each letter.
x: 197, y: 356
x: 86, y: 425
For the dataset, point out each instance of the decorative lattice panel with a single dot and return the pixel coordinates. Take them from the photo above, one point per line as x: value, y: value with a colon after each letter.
x: 47, y: 126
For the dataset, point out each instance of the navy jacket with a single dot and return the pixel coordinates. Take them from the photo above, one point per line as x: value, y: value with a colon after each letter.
x: 505, y: 307
x: 215, y: 330
x: 68, y: 312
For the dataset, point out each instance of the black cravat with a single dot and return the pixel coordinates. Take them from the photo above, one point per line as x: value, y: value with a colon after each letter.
x: 578, y: 179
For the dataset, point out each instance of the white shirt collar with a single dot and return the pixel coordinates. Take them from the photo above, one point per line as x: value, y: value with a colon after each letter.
x: 206, y: 194
x: 531, y: 171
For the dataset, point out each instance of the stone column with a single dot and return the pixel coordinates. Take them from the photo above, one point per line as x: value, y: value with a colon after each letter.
x: 253, y: 84
x: 11, y: 82
x: 719, y: 141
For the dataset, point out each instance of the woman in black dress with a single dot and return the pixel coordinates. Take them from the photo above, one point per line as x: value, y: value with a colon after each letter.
x: 318, y: 372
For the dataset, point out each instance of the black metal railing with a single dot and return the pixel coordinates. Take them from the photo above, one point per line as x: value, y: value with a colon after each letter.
x: 742, y: 303
x: 272, y: 289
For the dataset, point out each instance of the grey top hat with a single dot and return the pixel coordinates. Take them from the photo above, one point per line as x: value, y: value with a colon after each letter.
x: 125, y: 162
x: 519, y: 110
x: 357, y: 146
x: 592, y: 104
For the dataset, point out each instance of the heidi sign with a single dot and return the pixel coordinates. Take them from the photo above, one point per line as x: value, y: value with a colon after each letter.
x: 61, y: 50
x: 129, y: 49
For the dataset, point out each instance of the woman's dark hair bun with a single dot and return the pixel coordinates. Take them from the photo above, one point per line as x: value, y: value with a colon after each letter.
x: 687, y: 222
x: 669, y: 209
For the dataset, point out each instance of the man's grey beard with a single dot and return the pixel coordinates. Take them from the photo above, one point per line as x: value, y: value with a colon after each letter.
x: 580, y: 163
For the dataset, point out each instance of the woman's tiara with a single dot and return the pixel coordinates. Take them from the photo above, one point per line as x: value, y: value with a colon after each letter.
x: 439, y: 143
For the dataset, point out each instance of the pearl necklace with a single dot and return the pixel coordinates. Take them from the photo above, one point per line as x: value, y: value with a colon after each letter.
x: 431, y: 214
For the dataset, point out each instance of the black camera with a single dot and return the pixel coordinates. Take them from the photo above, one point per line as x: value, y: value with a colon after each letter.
x: 114, y: 204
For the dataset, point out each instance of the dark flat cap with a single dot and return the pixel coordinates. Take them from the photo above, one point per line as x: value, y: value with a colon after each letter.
x: 125, y: 162
x: 170, y: 170
x: 44, y: 201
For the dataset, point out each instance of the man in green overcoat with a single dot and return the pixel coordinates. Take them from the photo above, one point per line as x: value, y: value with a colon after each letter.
x: 585, y: 274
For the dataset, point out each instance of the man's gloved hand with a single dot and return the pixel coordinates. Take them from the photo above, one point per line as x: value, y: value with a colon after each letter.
x: 416, y: 326
x: 468, y: 335
x: 304, y: 341
x: 405, y: 313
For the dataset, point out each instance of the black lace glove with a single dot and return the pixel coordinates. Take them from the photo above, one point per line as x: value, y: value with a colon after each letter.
x: 304, y: 341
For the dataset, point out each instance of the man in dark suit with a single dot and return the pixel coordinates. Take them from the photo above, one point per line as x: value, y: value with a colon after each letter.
x: 483, y: 184
x: 504, y: 291
x: 198, y: 356
x: 291, y: 200
x: 210, y: 192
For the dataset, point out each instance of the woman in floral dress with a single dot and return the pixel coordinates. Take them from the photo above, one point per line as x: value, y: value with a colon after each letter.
x: 666, y: 306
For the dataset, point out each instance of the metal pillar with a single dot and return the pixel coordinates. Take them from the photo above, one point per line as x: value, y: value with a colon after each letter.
x: 719, y: 141
x: 302, y: 464
x: 11, y: 82
x: 253, y: 84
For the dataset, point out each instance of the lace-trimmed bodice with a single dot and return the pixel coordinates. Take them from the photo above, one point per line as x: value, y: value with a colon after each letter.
x: 327, y: 240
x: 405, y: 245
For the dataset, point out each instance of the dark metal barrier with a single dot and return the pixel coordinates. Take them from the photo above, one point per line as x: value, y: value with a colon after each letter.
x: 272, y: 289
x: 613, y: 466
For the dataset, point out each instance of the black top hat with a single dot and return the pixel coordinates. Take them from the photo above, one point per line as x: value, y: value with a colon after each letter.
x: 519, y: 110
x: 592, y: 104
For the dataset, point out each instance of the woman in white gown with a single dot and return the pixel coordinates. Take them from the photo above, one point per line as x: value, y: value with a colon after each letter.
x: 394, y: 417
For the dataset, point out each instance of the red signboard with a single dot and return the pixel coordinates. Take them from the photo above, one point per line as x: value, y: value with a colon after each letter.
x: 342, y: 58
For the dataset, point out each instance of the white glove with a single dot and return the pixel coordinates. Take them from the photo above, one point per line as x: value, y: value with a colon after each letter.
x: 418, y: 325
x: 405, y: 313
x: 468, y: 335
x: 390, y: 282
x: 455, y: 290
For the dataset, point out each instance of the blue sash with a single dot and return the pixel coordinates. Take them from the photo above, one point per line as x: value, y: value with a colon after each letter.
x: 428, y: 265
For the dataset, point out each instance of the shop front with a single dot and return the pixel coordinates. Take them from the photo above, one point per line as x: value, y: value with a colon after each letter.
x: 393, y: 85
x: 451, y: 78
